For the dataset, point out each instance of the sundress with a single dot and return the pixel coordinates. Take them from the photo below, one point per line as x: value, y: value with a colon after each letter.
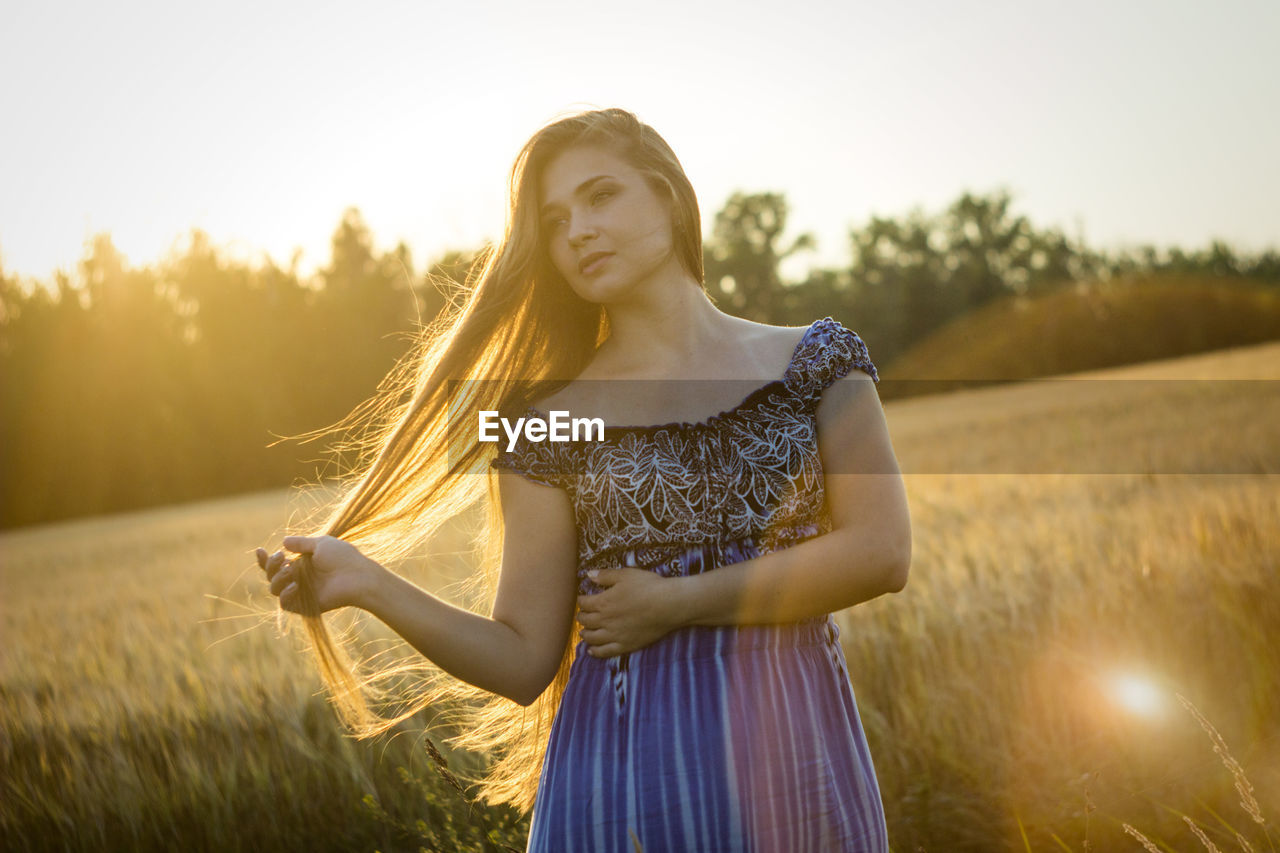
x: 713, y: 738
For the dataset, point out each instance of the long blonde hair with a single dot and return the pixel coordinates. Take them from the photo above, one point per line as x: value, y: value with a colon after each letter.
x: 519, y: 326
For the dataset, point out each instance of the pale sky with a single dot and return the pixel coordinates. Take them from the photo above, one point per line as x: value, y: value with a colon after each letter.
x: 259, y: 122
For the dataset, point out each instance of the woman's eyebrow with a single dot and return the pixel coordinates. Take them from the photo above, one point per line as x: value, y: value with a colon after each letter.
x: 582, y: 187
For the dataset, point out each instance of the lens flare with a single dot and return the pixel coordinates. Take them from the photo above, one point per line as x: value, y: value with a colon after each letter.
x: 1135, y: 694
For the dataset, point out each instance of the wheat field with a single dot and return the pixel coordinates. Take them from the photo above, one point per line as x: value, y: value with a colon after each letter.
x: 1083, y: 557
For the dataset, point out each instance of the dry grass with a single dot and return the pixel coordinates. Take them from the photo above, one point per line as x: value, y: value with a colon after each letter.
x: 148, y: 701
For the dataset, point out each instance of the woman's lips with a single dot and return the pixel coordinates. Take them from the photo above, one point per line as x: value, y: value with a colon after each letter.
x: 592, y: 263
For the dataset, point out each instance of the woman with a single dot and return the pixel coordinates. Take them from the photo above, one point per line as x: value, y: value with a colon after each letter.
x: 706, y: 705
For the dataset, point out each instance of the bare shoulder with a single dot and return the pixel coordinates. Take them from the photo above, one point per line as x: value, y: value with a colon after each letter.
x: 775, y: 343
x: 750, y: 329
x: 579, y: 392
x: 561, y: 400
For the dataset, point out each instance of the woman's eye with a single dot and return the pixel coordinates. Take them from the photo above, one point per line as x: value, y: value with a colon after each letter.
x: 554, y: 224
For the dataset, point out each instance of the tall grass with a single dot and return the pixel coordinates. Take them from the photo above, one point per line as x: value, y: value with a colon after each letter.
x: 149, y: 701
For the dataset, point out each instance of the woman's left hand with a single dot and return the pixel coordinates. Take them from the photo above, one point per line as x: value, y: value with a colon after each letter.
x: 635, y: 609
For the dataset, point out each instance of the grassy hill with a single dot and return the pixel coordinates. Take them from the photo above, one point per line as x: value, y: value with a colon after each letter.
x: 1127, y: 320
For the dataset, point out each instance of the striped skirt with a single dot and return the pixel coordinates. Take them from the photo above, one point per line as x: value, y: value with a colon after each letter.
x: 714, y: 738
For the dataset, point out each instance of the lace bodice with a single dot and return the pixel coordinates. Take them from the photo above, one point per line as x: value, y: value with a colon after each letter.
x: 644, y: 494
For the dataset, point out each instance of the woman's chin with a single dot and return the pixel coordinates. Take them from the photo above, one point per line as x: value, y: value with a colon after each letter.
x: 601, y: 292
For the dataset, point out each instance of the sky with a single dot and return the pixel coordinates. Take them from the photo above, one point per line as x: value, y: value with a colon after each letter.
x: 1122, y: 122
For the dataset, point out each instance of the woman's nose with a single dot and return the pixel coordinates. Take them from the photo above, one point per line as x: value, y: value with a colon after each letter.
x: 580, y: 232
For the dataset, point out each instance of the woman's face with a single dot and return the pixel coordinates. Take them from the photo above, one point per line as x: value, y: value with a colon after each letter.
x: 605, y: 228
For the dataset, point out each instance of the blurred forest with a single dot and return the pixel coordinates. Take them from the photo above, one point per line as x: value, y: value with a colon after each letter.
x: 126, y: 387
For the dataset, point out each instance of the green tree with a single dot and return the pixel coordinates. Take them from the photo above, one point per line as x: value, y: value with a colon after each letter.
x: 362, y: 309
x: 911, y: 276
x: 741, y: 259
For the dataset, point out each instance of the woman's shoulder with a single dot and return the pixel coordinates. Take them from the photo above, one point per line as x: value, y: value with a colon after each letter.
x: 819, y: 329
x: 797, y: 346
x: 828, y: 351
x: 576, y: 394
x: 775, y: 344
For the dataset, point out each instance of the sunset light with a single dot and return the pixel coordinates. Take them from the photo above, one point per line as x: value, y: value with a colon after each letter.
x: 1136, y: 694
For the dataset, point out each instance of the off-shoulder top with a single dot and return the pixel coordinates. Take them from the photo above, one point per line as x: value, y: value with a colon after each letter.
x: 749, y: 476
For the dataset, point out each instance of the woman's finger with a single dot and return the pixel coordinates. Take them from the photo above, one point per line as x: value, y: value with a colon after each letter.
x: 281, y: 579
x: 274, y: 562
x: 300, y: 544
x: 608, y: 650
x: 287, y: 596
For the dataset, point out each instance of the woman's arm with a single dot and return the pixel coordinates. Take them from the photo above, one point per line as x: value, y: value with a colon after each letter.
x: 866, y: 554
x: 516, y: 651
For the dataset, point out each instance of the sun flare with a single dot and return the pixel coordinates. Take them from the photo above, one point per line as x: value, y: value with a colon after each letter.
x: 1135, y: 693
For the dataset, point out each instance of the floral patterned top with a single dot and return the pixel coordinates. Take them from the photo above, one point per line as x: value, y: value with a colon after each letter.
x: 679, y: 498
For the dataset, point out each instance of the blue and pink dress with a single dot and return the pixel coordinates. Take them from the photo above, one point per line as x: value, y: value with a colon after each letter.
x: 713, y: 738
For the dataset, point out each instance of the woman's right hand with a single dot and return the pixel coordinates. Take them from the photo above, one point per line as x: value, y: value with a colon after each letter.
x: 340, y: 575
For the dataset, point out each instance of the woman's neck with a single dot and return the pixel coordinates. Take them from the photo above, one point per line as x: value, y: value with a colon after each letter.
x: 666, y: 330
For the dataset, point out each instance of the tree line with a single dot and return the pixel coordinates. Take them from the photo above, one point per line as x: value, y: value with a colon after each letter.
x: 128, y: 386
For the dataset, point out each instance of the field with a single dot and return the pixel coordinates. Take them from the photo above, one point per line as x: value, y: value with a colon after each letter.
x: 1083, y: 557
